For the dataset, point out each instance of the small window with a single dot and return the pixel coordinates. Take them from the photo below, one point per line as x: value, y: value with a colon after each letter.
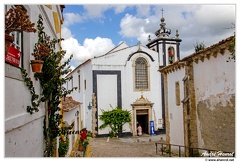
x: 79, y: 82
x: 72, y: 81
x: 85, y: 84
x: 171, y: 55
x: 177, y: 92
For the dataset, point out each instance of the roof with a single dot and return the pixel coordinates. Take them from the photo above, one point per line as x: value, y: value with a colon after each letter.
x: 213, y: 50
x: 85, y: 62
x: 69, y: 104
x: 119, y: 47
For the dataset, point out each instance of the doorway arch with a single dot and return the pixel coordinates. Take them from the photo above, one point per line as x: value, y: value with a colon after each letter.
x: 142, y: 114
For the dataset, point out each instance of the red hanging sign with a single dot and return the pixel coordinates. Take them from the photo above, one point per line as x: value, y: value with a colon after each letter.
x: 13, y: 56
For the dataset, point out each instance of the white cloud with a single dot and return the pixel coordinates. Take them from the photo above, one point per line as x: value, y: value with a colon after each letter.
x: 143, y: 10
x: 66, y: 33
x: 89, y: 49
x: 132, y: 26
x: 195, y: 23
x: 96, y: 11
x: 214, y: 15
x: 119, y: 8
x: 71, y: 18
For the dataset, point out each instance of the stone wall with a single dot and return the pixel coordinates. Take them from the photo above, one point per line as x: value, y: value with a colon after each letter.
x: 217, y: 124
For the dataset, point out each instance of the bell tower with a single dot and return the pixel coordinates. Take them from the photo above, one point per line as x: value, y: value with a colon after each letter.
x: 168, y: 48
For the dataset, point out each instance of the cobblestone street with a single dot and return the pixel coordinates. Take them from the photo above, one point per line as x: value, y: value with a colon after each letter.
x: 125, y: 147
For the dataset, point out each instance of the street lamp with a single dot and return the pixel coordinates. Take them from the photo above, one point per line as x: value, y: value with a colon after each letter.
x: 89, y: 106
x: 76, y: 113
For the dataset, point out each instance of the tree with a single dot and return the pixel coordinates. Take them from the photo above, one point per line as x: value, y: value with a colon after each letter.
x: 199, y: 46
x: 115, y: 119
x: 232, y: 49
x: 232, y: 44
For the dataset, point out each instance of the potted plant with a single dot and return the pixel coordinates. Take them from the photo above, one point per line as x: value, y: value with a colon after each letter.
x: 80, y: 145
x: 42, y: 48
x: 16, y: 19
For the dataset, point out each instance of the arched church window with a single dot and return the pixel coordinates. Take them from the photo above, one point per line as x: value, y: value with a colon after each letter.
x: 171, y: 54
x: 141, y: 74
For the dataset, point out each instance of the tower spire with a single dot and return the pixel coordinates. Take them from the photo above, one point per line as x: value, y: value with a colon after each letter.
x: 163, y: 31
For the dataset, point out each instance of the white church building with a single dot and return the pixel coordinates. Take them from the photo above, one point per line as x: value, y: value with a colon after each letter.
x: 126, y: 77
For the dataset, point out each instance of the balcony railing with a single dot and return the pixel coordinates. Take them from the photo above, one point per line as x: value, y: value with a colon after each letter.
x: 173, y: 150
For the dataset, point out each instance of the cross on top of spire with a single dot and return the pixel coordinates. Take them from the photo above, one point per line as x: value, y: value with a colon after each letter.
x: 163, y: 31
x: 162, y: 12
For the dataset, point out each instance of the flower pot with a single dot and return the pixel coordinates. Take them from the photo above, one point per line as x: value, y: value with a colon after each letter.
x: 37, y: 66
x: 8, y: 42
x: 80, y: 148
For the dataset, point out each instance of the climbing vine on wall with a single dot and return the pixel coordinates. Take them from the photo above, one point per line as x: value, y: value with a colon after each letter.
x: 51, y: 82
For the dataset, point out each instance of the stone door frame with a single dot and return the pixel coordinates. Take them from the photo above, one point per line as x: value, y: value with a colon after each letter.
x: 140, y: 104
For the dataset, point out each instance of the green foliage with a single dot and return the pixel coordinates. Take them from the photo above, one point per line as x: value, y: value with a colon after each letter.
x: 43, y: 47
x: 199, y: 46
x: 111, y: 134
x: 51, y: 82
x: 115, y: 119
x: 80, y: 142
x: 63, y: 146
x: 34, y: 99
x: 232, y: 44
x: 232, y: 49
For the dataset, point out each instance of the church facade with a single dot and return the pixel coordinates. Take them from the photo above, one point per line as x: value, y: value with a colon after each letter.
x: 126, y: 77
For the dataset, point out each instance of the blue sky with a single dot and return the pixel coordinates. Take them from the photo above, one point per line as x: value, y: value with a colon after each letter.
x: 93, y: 29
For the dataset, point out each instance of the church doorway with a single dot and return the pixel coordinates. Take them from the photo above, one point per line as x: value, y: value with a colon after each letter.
x: 142, y: 114
x: 142, y: 119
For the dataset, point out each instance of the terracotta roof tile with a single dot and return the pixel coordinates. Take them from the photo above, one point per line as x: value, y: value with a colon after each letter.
x: 68, y: 103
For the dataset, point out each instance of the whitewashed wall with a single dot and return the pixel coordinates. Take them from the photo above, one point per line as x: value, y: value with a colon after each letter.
x: 107, y: 84
x: 23, y: 131
x: 118, y: 61
x: 83, y: 95
x: 214, y: 81
x: 214, y: 86
x: 107, y: 96
x: 70, y: 117
x: 175, y: 112
x: 87, y: 96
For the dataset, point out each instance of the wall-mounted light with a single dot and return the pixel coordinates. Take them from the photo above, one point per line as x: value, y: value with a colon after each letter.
x: 76, y: 113
x: 89, y: 106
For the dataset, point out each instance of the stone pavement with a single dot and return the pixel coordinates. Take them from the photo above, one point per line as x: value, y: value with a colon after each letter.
x: 139, y: 146
x: 145, y: 138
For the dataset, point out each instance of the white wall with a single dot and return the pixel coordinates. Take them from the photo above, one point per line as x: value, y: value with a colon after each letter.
x: 70, y: 118
x: 214, y: 85
x: 118, y: 61
x: 175, y: 112
x: 83, y: 95
x: 222, y: 82
x: 23, y: 131
x: 106, y: 97
x: 214, y: 81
